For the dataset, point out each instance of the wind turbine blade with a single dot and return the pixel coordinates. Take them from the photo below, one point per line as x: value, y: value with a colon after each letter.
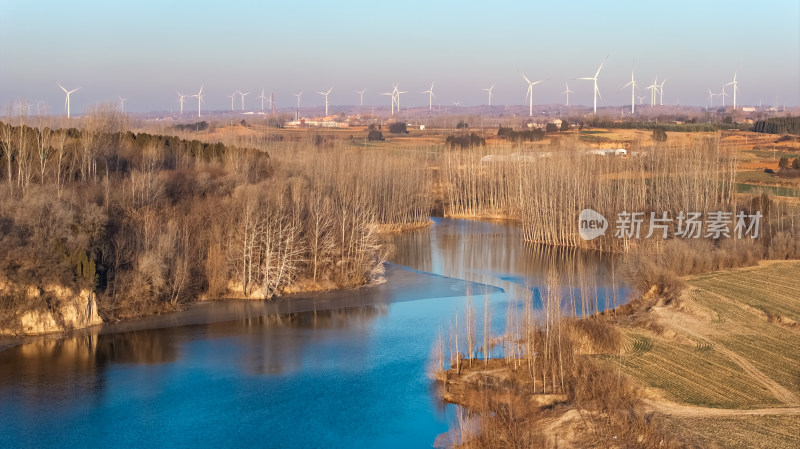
x: 599, y: 69
x: 590, y: 79
x: 525, y: 78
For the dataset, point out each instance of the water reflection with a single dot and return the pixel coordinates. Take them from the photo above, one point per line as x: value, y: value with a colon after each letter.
x: 495, y: 254
x: 266, y: 345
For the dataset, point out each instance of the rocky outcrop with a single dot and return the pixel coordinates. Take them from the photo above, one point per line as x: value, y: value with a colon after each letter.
x: 67, y: 310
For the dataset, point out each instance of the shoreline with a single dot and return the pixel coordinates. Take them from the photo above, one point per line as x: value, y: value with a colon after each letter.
x: 398, y: 284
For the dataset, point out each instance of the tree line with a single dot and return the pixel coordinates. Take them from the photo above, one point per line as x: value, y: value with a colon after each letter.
x: 151, y: 223
x: 778, y: 125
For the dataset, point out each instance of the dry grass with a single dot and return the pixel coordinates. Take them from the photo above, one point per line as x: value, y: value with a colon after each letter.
x: 775, y: 432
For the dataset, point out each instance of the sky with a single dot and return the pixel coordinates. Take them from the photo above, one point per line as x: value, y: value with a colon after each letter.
x: 147, y: 50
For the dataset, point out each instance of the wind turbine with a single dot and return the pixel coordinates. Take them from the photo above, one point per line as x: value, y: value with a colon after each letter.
x: 457, y: 103
x: 243, y: 94
x: 361, y: 94
x: 326, y: 99
x: 710, y: 98
x: 490, y: 89
x: 262, y: 98
x: 632, y: 83
x: 596, y: 89
x: 397, y: 97
x: 430, y: 96
x: 392, y: 95
x: 640, y: 99
x: 567, y: 92
x: 122, y: 104
x: 297, y: 114
x: 529, y: 93
x: 68, y: 92
x: 735, y: 88
x: 233, y: 97
x: 653, y: 89
x: 181, y: 98
x: 723, y: 94
x: 661, y: 93
x: 199, y: 99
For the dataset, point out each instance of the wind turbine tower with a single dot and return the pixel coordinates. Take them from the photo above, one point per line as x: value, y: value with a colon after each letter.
x: 490, y: 89
x: 430, y: 96
x: 397, y: 97
x: 567, y: 92
x: 596, y: 89
x: 661, y: 93
x: 68, y: 92
x: 233, y: 97
x: 529, y: 93
x: 392, y: 95
x: 199, y: 99
x: 326, y: 99
x: 361, y: 94
x: 262, y: 98
x: 735, y: 85
x: 181, y: 98
x: 243, y: 95
x: 122, y: 104
x: 297, y: 113
x: 653, y: 89
x: 632, y: 83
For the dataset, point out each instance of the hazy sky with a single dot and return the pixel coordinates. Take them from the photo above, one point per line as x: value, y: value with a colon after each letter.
x: 146, y: 50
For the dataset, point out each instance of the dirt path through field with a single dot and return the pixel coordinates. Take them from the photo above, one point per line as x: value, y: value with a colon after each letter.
x: 671, y: 408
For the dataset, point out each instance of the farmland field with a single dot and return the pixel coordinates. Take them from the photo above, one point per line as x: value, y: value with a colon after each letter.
x: 731, y: 343
x: 726, y: 357
x: 762, y: 431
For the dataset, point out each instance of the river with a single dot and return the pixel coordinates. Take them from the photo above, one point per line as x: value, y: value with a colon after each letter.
x: 333, y: 370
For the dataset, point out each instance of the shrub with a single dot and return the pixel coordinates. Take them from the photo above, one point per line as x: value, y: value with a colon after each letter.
x: 374, y: 134
x: 199, y: 126
x: 783, y: 162
x: 564, y: 125
x: 551, y: 128
x: 659, y: 134
x: 462, y: 125
x: 398, y: 128
x: 520, y: 136
x: 465, y: 141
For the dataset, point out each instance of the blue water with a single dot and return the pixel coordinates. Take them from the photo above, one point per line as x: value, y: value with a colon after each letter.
x: 350, y: 377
